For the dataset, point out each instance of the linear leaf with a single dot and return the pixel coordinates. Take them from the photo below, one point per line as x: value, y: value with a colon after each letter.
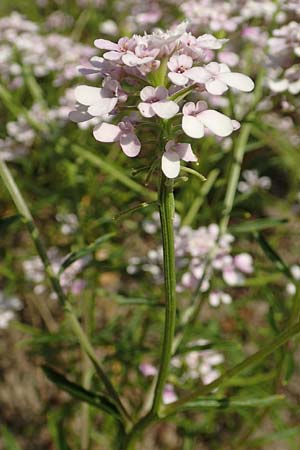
x: 256, y: 225
x: 223, y: 403
x: 273, y: 256
x: 85, y: 251
x: 77, y: 391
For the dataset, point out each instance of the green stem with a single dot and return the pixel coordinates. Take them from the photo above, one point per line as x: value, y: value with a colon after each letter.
x: 24, y: 211
x: 166, y: 211
x: 281, y: 339
x: 234, y: 176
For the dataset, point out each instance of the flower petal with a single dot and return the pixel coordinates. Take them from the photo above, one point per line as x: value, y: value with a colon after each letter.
x: 130, y: 144
x: 106, y: 132
x: 237, y: 80
x: 79, y: 116
x: 112, y: 56
x: 216, y: 87
x: 104, y: 106
x: 198, y: 74
x: 146, y: 109
x: 216, y: 122
x: 87, y: 95
x: 170, y: 164
x: 104, y: 44
x: 192, y: 127
x: 178, y: 78
x: 185, y: 152
x: 147, y: 93
x: 165, y: 109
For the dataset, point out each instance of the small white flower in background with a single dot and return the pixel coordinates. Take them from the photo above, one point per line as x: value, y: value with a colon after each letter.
x: 109, y: 27
x: 34, y: 271
x: 199, y: 363
x: 253, y: 181
x: 169, y: 394
x: 148, y: 370
x: 191, y: 250
x: 291, y: 287
x: 69, y: 223
x: 8, y: 308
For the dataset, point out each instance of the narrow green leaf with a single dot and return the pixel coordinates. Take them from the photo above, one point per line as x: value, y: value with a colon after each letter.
x: 78, y: 392
x: 9, y: 441
x: 56, y: 428
x: 193, y: 172
x: 85, y: 251
x: 224, y: 403
x: 134, y: 209
x: 272, y: 255
x: 256, y: 225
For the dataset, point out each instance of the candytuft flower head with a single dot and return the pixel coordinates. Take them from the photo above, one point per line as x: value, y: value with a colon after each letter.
x: 155, y: 76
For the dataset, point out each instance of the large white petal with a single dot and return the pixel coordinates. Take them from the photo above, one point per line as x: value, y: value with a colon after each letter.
x: 103, y: 106
x: 112, y: 56
x: 192, y: 127
x: 198, y: 74
x: 165, y: 109
x: 130, y: 144
x: 216, y: 122
x: 87, y: 95
x: 104, y: 44
x: 106, y: 132
x: 178, y: 78
x: 146, y: 109
x: 170, y: 164
x: 237, y: 80
x: 216, y: 87
x: 147, y: 93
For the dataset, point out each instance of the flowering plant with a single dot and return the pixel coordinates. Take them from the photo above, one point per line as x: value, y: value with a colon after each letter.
x: 155, y: 77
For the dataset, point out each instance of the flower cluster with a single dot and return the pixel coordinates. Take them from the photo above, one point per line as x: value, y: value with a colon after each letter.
x: 193, y: 249
x: 152, y: 76
x: 8, y: 308
x: 23, y: 44
x: 195, y: 364
x: 253, y: 181
x: 34, y: 272
x: 284, y: 51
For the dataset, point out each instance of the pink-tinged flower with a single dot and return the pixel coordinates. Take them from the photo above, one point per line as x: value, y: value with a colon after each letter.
x: 100, y: 102
x: 169, y: 394
x: 148, y: 370
x: 178, y: 65
x: 244, y: 262
x: 218, y: 297
x: 122, y: 133
x: 115, y: 51
x: 208, y: 41
x: 170, y: 162
x: 142, y: 55
x: 221, y: 77
x: 196, y: 117
x: 155, y: 103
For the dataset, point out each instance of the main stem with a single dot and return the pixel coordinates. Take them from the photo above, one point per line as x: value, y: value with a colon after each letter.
x: 166, y: 211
